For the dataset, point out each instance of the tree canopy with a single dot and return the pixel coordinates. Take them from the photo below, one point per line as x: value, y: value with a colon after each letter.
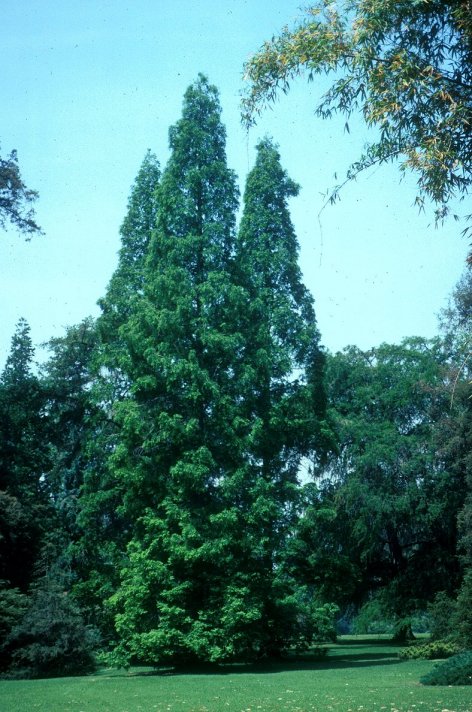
x: 405, y: 65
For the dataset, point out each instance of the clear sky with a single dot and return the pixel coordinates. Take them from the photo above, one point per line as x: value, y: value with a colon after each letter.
x: 88, y: 86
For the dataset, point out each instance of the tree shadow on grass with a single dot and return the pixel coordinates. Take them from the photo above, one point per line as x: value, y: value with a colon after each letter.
x: 340, y: 657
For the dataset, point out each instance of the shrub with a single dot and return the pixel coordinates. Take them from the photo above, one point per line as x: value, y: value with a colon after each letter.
x: 442, y: 612
x: 323, y: 622
x: 51, y: 639
x: 463, y: 617
x: 455, y: 671
x: 429, y: 651
x: 403, y: 632
x: 420, y: 622
x: 315, y: 623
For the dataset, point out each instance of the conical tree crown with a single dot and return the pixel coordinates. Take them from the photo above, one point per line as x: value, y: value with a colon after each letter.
x: 198, y: 194
x: 141, y: 217
x: 178, y: 439
x: 283, y: 319
x: 267, y: 236
x: 18, y: 364
x: 127, y: 281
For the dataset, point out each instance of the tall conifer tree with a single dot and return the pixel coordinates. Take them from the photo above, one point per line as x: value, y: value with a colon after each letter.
x: 105, y: 529
x: 282, y: 398
x: 136, y: 230
x: 179, y: 430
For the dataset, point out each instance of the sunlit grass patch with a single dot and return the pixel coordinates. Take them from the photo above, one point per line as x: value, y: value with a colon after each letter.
x: 359, y: 675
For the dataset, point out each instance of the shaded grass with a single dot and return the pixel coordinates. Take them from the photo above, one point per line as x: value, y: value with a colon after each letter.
x: 358, y: 675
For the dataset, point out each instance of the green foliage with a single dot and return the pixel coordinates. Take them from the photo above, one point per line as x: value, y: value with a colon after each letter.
x: 13, y: 604
x: 455, y: 671
x: 404, y: 66
x: 373, y: 619
x: 323, y: 622
x: 104, y: 529
x: 179, y: 598
x: 16, y: 198
x: 66, y: 379
x: 216, y: 395
x: 420, y: 622
x: 394, y: 503
x: 51, y: 638
x: 317, y: 550
x: 284, y: 413
x: 463, y: 617
x: 127, y: 282
x: 12, y: 607
x: 26, y: 512
x: 402, y: 631
x: 442, y: 613
x: 429, y: 651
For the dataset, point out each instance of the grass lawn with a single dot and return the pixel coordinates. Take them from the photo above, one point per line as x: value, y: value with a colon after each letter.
x: 359, y: 675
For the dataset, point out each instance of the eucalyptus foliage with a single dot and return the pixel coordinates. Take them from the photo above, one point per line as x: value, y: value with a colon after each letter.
x: 404, y: 65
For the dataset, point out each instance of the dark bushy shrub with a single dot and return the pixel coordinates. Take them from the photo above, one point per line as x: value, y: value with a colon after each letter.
x: 51, y: 638
x: 429, y: 651
x: 402, y: 632
x: 455, y: 671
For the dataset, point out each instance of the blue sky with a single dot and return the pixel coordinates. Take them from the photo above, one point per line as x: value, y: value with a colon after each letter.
x: 88, y: 86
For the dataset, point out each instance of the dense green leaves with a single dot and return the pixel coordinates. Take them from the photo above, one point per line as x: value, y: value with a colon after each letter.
x: 399, y: 498
x: 51, y: 638
x: 25, y: 508
x: 225, y: 398
x: 282, y: 401
x: 178, y: 427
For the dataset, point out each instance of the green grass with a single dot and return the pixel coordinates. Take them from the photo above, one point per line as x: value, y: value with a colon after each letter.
x: 359, y: 675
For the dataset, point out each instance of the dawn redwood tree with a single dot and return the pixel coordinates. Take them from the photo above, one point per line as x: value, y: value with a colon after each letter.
x: 179, y: 441
x: 126, y: 284
x: 282, y: 402
x: 104, y: 529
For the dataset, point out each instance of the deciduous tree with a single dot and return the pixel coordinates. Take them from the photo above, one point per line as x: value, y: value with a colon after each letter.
x: 388, y: 481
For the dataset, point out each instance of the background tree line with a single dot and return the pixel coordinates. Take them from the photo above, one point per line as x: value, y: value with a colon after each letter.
x: 152, y: 499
